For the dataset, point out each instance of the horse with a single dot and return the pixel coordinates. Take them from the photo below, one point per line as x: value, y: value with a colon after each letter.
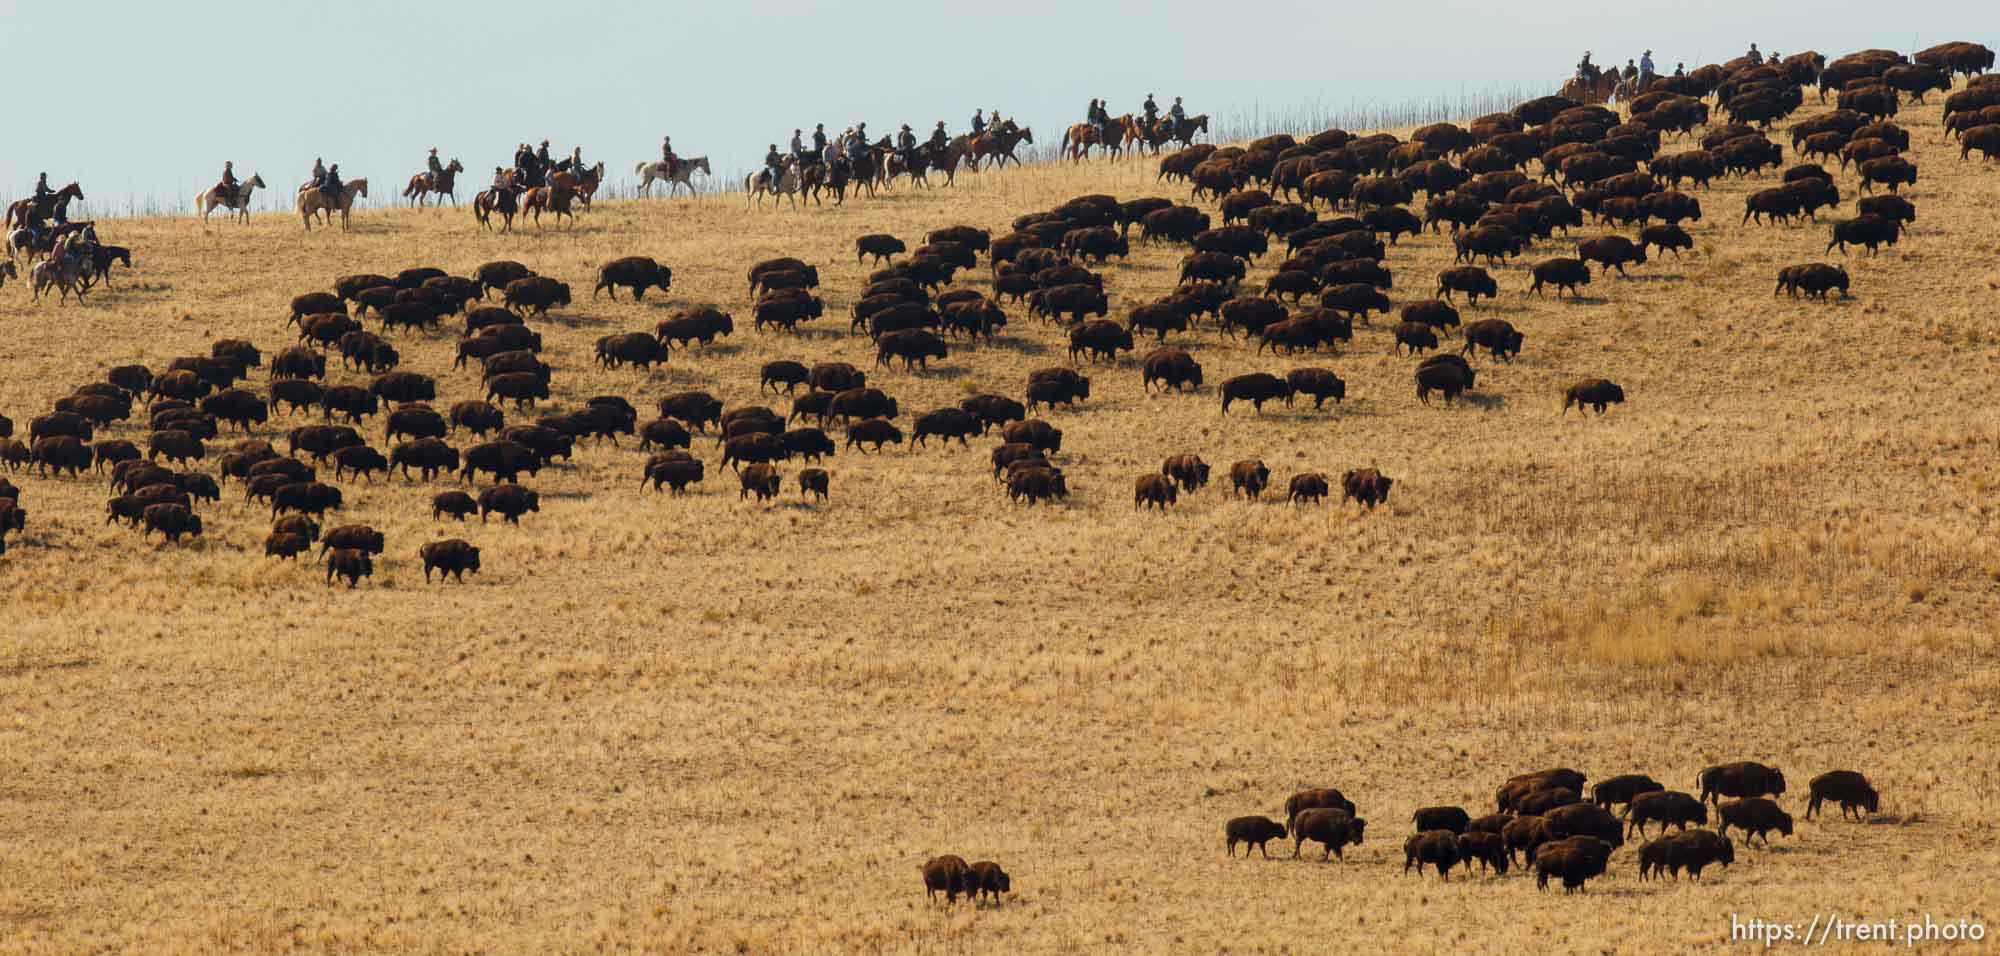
x: 63, y: 273
x: 27, y: 241
x: 813, y: 179
x: 555, y: 198
x: 758, y: 183
x: 1594, y: 92
x: 1184, y: 132
x: 506, y: 202
x: 212, y: 199
x: 1139, y: 135
x: 587, y: 181
x: 1077, y: 141
x: 999, y: 143
x: 19, y: 213
x: 7, y: 271
x: 312, y: 200
x: 444, y: 184
x: 99, y: 266
x: 675, y: 180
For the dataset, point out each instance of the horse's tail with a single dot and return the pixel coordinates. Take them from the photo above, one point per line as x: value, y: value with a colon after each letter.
x: 641, y: 168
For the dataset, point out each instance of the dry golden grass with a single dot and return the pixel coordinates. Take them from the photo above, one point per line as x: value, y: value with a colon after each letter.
x: 699, y: 724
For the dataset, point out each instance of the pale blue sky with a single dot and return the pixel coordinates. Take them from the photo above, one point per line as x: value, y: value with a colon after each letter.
x: 143, y: 101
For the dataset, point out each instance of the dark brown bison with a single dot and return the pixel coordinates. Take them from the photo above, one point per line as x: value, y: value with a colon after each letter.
x: 1622, y: 788
x: 637, y: 273
x: 1154, y: 491
x: 1596, y: 393
x: 1573, y: 860
x: 1172, y: 367
x: 1307, y: 488
x: 1331, y: 828
x: 1436, y: 848
x: 1471, y: 280
x: 350, y: 564
x: 1755, y: 816
x: 171, y: 520
x: 1488, y: 849
x: 1249, y: 477
x: 1453, y: 819
x: 1255, y: 388
x: 1846, y: 787
x: 948, y: 875
x: 1186, y: 470
x: 1667, y: 808
x: 453, y: 556
x: 1814, y: 279
x: 1744, y: 778
x: 1252, y: 831
x: 535, y: 294
x: 1561, y: 273
x: 1366, y: 486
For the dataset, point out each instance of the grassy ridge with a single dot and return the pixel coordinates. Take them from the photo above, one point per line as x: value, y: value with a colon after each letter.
x: 702, y: 724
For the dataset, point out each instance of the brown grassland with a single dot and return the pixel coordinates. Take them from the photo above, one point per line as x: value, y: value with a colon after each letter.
x: 701, y: 724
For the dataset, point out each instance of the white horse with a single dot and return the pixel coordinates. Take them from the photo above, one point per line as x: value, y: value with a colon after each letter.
x: 311, y: 200
x: 758, y: 183
x: 211, y: 200
x: 63, y: 273
x: 679, y: 178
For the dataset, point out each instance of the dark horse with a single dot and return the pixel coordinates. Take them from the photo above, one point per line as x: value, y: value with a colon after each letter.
x: 24, y: 211
x: 441, y: 183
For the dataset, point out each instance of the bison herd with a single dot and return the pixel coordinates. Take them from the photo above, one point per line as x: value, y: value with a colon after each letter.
x: 1550, y: 823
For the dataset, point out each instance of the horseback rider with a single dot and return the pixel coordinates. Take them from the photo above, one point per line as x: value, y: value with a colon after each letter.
x: 939, y: 138
x: 1630, y: 72
x: 1680, y: 69
x: 819, y: 143
x: 500, y: 184
x: 1102, y: 117
x: 857, y: 145
x: 1152, y: 111
x: 542, y: 161
x: 227, y: 187
x: 667, y: 156
x: 1177, y: 115
x: 1586, y: 71
x: 906, y: 144
x: 43, y: 194
x: 1755, y: 58
x: 1646, y: 74
x: 798, y: 148
x: 576, y: 161
x: 774, y: 166
x: 330, y: 186
x: 978, y: 123
x: 434, y: 168
x: 319, y: 172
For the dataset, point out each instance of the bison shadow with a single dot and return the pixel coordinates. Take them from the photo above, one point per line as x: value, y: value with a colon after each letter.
x: 574, y: 321
x: 1483, y: 401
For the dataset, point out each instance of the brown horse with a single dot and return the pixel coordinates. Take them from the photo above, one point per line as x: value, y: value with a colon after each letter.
x: 506, y: 202
x: 1184, y: 133
x: 1077, y: 141
x: 1139, y: 136
x: 443, y: 185
x: 1592, y: 93
x: 554, y: 198
x: 311, y: 200
x: 24, y: 211
x: 999, y: 143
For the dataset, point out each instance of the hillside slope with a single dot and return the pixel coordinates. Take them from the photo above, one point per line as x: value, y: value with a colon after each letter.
x: 667, y: 724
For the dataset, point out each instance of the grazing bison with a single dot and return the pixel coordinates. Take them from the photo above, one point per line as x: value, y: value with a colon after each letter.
x: 1622, y: 788
x: 1034, y: 432
x: 946, y: 423
x: 1436, y: 848
x: 1611, y: 252
x: 1755, y: 816
x: 351, y: 564
x: 1488, y: 849
x: 457, y: 504
x: 1249, y: 477
x: 1890, y: 171
x: 1320, y: 383
x: 880, y: 245
x: 1594, y: 392
x: 1867, y: 230
x: 428, y: 455
x: 174, y: 520
x: 1497, y: 336
x: 509, y: 501
x: 988, y: 879
x: 1252, y: 831
x: 637, y: 273
x: 360, y: 459
x: 505, y: 460
x: 1572, y: 860
x: 761, y: 479
x: 1438, y: 374
x: 1367, y: 486
x: 1099, y: 339
x: 1814, y: 279
x: 948, y: 875
x: 1415, y: 336
x: 1471, y: 280
x: 1453, y: 819
x: 1585, y: 819
x: 453, y: 556
x: 1561, y: 273
x: 1691, y: 850
x: 1846, y: 787
x: 1307, y: 488
x: 1186, y: 470
x: 1333, y: 829
x: 1741, y: 779
x: 1542, y: 801
x: 873, y: 431
x: 1155, y: 491
x: 1255, y: 388
x: 285, y: 545
x: 1667, y: 808
x: 535, y: 294
x: 1171, y: 367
